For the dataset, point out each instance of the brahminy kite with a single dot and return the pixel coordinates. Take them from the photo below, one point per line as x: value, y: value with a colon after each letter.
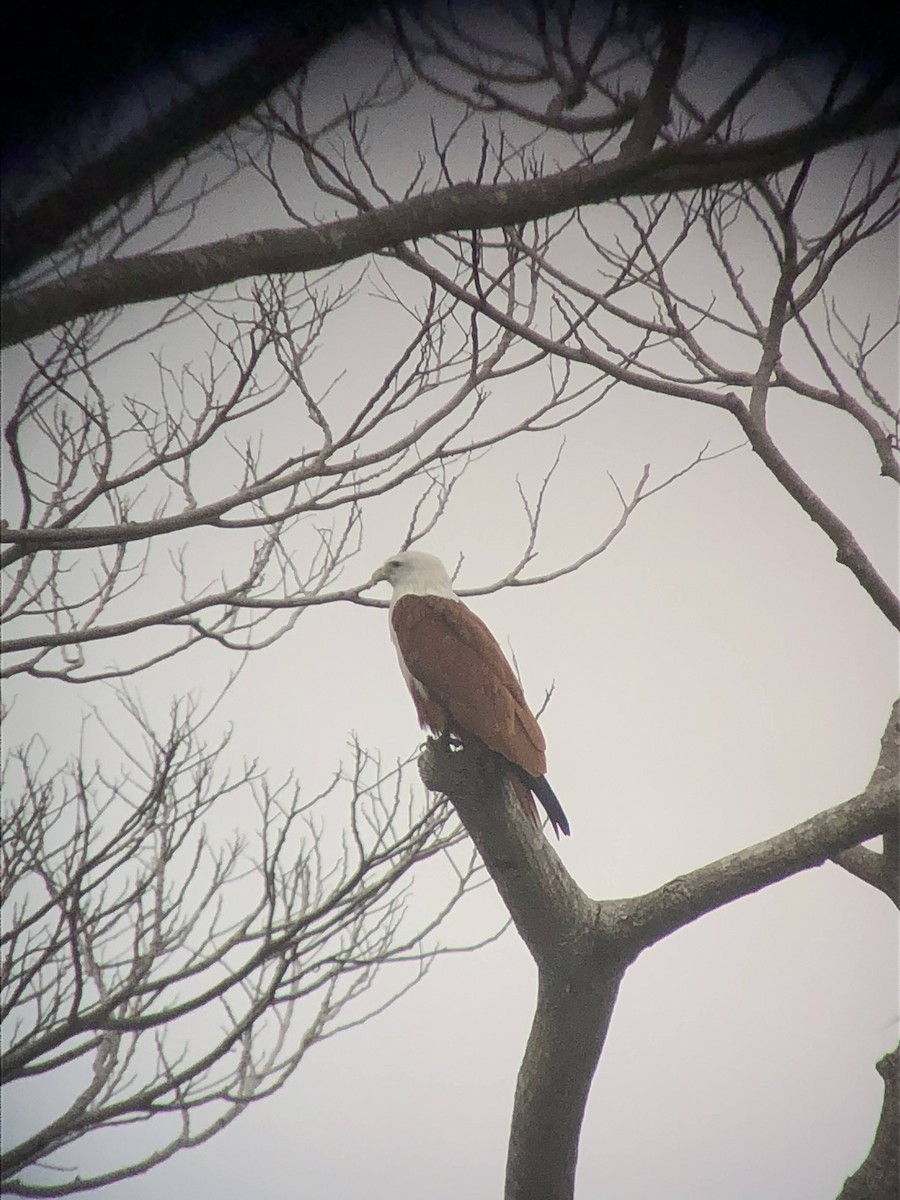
x: 460, y: 681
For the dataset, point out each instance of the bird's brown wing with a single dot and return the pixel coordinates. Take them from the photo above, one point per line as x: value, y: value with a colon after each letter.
x: 457, y: 660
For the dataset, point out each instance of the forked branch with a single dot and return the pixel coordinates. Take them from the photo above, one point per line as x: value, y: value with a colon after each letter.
x: 583, y: 947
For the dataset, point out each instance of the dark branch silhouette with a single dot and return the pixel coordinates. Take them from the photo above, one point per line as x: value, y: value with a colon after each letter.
x: 670, y: 168
x: 44, y: 225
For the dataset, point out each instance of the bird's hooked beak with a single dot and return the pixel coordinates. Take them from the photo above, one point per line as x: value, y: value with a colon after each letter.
x: 380, y: 576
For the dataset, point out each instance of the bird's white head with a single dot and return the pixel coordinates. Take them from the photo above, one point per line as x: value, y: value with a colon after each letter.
x: 412, y: 572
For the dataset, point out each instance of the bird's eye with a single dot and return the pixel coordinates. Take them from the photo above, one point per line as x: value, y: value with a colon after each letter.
x: 395, y: 562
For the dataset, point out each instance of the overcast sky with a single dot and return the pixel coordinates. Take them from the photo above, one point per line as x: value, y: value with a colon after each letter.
x: 716, y: 678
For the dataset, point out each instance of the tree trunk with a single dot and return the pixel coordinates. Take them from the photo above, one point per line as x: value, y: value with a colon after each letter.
x: 567, y: 1036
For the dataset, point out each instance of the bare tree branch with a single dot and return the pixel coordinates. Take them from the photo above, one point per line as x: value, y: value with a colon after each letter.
x: 653, y: 112
x: 882, y: 869
x: 583, y: 947
x: 876, y: 1178
x: 48, y: 222
x: 461, y: 206
x: 131, y: 922
x: 810, y: 844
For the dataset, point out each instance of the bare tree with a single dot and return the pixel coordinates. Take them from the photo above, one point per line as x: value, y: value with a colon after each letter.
x: 580, y: 164
x: 656, y: 156
x: 166, y: 970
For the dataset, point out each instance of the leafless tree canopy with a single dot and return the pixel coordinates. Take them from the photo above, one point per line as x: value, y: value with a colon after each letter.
x: 580, y: 194
x: 165, y: 970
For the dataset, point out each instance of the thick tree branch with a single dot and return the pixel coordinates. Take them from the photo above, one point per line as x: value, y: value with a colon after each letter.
x: 809, y: 844
x: 881, y: 870
x: 547, y: 906
x: 872, y: 868
x: 654, y: 108
x: 43, y: 227
x: 876, y: 1178
x: 463, y: 206
x: 680, y: 901
x: 583, y: 947
x: 577, y: 982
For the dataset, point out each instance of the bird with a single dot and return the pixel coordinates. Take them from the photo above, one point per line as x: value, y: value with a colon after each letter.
x: 460, y: 680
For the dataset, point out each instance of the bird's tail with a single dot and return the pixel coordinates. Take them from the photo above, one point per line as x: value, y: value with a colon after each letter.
x: 524, y: 797
x: 541, y: 788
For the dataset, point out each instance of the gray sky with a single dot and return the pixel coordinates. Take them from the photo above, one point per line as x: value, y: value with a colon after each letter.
x: 717, y: 678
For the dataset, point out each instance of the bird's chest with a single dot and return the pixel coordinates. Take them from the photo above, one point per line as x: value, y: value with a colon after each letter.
x: 415, y: 686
